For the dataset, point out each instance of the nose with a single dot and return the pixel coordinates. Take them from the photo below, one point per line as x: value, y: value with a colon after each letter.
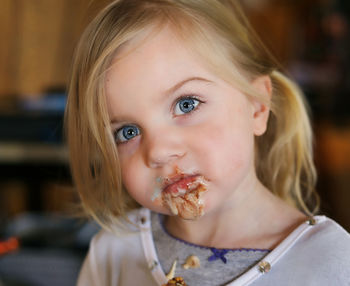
x: 163, y: 147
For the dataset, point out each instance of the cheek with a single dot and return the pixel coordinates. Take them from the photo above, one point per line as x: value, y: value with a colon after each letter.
x: 229, y: 156
x: 133, y: 178
x: 127, y: 178
x: 228, y: 149
x: 140, y: 184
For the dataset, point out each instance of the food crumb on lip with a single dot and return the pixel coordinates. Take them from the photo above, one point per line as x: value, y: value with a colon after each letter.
x: 178, y: 184
x: 181, y: 184
x: 183, y: 197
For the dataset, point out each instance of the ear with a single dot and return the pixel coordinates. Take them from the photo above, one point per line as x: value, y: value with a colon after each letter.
x: 263, y: 87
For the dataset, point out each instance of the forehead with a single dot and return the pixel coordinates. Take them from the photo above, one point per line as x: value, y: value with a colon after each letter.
x: 152, y: 62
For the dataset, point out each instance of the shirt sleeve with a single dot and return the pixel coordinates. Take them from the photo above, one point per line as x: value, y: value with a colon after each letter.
x: 91, y: 272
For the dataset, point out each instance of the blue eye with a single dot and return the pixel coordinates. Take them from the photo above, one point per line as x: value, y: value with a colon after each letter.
x: 186, y: 105
x: 126, y: 133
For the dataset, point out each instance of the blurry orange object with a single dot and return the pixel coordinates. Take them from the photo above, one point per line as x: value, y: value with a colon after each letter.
x: 9, y: 245
x: 333, y: 149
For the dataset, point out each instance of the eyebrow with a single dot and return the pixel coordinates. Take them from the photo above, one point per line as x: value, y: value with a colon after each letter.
x: 183, y: 82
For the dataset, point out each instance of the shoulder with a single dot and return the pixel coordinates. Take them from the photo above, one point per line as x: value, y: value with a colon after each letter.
x: 326, y: 236
x: 125, y: 232
x: 111, y: 250
x: 316, y: 253
x: 321, y: 252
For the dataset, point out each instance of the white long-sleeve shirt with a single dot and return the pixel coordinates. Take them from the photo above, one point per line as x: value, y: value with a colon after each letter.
x: 316, y: 253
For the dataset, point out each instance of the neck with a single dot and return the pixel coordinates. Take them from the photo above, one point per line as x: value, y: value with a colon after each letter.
x: 256, y: 219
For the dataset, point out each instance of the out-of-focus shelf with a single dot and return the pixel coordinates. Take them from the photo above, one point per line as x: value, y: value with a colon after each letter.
x: 33, y: 166
x: 17, y: 153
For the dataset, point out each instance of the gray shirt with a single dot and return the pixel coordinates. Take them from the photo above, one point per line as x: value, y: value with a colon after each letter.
x: 217, y: 266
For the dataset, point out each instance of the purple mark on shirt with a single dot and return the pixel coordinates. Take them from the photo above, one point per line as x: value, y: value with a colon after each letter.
x: 218, y: 254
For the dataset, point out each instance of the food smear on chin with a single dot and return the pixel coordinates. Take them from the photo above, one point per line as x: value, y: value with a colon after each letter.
x: 184, y: 197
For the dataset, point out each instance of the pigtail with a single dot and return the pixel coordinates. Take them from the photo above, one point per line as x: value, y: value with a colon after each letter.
x: 285, y: 163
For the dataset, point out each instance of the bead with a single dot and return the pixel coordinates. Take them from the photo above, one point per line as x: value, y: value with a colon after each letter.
x: 264, y: 267
x: 311, y: 221
x: 153, y: 265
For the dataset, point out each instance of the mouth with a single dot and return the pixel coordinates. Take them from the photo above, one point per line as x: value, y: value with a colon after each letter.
x: 180, y: 184
x: 182, y: 195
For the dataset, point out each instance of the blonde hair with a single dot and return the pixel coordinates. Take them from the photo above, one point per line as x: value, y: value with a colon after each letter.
x: 218, y: 32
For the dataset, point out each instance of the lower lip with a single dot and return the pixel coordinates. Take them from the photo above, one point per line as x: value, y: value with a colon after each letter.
x: 182, y: 184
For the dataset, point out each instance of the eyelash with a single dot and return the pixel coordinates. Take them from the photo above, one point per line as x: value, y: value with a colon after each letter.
x: 173, y: 108
x: 189, y: 97
x: 121, y: 131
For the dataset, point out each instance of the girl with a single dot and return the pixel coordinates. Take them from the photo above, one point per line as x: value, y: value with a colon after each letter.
x: 175, y: 105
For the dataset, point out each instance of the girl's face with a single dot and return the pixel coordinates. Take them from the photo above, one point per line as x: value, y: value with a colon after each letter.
x: 170, y: 114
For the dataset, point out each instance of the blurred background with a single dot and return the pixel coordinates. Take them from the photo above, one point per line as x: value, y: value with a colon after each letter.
x: 40, y: 242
